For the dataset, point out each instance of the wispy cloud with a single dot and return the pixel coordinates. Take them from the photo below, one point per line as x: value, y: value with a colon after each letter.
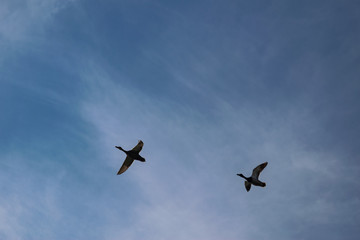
x: 26, y: 19
x: 28, y: 194
x: 23, y: 25
x: 189, y: 180
x: 210, y: 96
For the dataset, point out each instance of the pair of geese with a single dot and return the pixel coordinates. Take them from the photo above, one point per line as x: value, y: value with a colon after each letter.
x: 133, y: 154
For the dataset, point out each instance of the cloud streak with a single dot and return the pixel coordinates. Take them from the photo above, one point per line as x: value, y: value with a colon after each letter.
x: 189, y: 179
x: 212, y: 90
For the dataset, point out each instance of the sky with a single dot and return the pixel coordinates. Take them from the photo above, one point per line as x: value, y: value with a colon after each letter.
x: 213, y: 88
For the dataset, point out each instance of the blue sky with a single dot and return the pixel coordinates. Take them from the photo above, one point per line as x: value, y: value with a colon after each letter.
x: 213, y: 88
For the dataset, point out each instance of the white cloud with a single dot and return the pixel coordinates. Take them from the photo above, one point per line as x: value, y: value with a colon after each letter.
x: 23, y: 24
x: 29, y: 205
x: 174, y: 202
x: 23, y: 20
x: 9, y: 225
x: 188, y: 187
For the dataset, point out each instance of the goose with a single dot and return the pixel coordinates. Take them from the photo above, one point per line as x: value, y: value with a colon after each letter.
x: 254, y: 177
x: 131, y: 155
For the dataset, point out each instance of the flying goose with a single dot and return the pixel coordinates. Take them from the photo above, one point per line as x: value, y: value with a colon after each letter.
x: 131, y: 155
x: 254, y: 177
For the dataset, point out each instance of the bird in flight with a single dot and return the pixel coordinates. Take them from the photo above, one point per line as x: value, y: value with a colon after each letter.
x: 254, y: 177
x: 131, y: 155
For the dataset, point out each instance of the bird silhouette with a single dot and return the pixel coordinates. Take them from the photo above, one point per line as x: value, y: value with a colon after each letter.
x: 254, y: 177
x: 131, y: 155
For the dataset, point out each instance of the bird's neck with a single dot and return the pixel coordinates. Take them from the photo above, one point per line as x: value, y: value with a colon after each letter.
x: 242, y: 176
x: 120, y: 148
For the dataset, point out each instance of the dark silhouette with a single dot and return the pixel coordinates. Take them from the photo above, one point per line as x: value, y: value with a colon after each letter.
x: 254, y: 177
x: 131, y: 155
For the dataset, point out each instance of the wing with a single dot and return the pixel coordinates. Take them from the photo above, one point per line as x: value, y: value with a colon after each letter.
x: 256, y: 172
x: 127, y: 163
x: 138, y: 147
x: 247, y: 185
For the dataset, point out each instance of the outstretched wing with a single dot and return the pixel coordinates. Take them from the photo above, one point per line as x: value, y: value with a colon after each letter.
x: 256, y: 172
x: 138, y: 147
x: 247, y: 185
x: 127, y: 163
